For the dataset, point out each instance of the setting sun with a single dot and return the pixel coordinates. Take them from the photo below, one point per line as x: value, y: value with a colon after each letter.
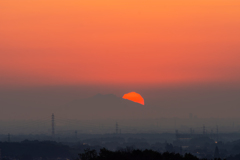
x: 135, y: 97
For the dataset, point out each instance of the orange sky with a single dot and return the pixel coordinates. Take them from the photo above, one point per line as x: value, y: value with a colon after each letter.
x: 60, y: 42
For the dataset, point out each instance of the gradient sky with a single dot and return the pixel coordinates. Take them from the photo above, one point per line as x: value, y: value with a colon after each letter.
x: 182, y: 56
x: 79, y: 42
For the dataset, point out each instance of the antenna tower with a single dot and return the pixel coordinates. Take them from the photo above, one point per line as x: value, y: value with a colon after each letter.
x: 53, y: 125
x: 204, y: 129
x: 116, y: 128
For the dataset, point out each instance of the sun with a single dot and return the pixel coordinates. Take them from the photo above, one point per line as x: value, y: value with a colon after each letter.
x: 135, y: 97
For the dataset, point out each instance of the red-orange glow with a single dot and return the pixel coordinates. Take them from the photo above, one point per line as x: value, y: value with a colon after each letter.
x: 78, y: 42
x: 135, y: 97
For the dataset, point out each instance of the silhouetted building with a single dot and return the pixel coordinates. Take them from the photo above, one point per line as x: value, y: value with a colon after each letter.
x: 182, y: 136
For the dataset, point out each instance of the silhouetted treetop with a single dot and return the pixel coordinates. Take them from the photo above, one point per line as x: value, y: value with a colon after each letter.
x: 129, y: 154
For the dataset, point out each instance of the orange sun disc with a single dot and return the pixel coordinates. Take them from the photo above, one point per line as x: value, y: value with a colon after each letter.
x: 135, y: 97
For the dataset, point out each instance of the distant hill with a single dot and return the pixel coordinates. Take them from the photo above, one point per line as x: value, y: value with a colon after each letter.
x: 103, y: 107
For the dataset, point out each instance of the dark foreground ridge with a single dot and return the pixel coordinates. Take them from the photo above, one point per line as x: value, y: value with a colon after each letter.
x: 51, y: 150
x: 129, y: 154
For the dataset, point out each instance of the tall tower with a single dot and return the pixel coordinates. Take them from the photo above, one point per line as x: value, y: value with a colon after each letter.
x: 176, y: 133
x: 53, y: 126
x: 204, y: 129
x: 116, y: 128
x: 175, y: 123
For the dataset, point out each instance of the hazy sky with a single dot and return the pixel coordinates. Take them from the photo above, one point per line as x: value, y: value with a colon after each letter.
x: 79, y: 42
x: 52, y: 51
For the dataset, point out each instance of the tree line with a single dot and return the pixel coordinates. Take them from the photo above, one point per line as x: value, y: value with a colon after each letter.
x: 134, y: 154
